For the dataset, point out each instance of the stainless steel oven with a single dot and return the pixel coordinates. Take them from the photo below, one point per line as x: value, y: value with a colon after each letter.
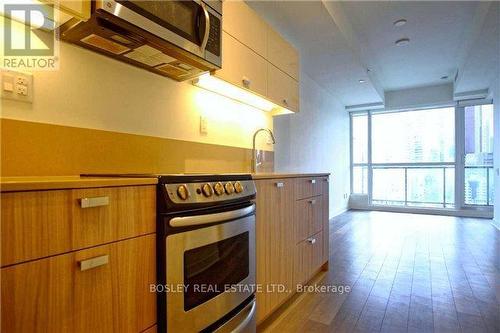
x: 206, y: 253
x: 215, y: 265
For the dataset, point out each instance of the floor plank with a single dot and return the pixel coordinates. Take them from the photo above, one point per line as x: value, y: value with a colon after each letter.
x: 407, y: 273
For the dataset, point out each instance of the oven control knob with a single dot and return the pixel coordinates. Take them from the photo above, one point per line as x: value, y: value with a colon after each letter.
x: 182, y: 192
x: 238, y: 187
x: 219, y: 188
x: 229, y: 188
x: 207, y: 190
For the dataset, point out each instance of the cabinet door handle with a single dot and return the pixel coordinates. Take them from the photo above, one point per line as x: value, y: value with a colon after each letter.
x: 312, y: 202
x: 313, y: 181
x: 280, y: 184
x: 93, y: 262
x: 94, y: 202
x: 285, y: 101
x: 311, y: 240
x: 246, y: 82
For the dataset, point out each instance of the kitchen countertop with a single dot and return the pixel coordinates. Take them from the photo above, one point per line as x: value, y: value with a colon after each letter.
x: 13, y: 184
x: 272, y: 175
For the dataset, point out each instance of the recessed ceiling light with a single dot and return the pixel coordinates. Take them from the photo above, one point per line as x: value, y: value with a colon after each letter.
x: 444, y: 77
x: 361, y: 81
x: 402, y: 42
x: 400, y: 23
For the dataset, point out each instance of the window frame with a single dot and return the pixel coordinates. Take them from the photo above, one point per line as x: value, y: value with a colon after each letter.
x: 458, y: 164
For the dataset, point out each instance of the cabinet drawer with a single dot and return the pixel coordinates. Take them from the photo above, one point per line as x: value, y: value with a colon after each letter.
x: 102, y: 289
x: 102, y: 215
x: 245, y: 25
x: 308, y: 187
x: 308, y: 258
x: 44, y: 223
x: 282, y: 89
x: 308, y: 218
x: 242, y: 66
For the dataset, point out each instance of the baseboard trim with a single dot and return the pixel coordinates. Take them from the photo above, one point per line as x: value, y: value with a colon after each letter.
x: 442, y: 212
x: 496, y: 224
x: 339, y: 212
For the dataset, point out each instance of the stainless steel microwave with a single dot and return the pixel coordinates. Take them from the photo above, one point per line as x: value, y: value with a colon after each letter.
x: 180, y: 39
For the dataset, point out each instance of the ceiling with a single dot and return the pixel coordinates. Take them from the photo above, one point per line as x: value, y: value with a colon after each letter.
x: 343, y: 42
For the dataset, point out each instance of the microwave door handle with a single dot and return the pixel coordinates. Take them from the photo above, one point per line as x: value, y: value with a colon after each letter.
x: 206, y: 19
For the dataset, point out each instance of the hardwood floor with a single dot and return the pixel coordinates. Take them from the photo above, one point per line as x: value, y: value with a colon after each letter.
x: 408, y: 273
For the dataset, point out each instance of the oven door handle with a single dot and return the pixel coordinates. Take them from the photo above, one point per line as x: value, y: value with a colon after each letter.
x: 187, y: 221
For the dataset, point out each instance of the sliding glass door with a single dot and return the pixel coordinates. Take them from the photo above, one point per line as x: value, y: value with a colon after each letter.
x: 478, y: 155
x: 408, y: 158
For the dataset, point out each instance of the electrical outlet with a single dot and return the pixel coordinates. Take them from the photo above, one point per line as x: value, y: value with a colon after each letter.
x: 17, y: 86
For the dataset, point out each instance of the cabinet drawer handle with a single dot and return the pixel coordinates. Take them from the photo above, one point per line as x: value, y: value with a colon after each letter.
x: 311, y: 240
x: 94, y: 202
x: 312, y: 202
x: 313, y: 181
x: 246, y: 82
x: 280, y: 184
x: 93, y: 262
x: 285, y: 102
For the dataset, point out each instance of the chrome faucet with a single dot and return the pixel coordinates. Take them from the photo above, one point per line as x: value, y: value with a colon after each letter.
x: 254, y: 157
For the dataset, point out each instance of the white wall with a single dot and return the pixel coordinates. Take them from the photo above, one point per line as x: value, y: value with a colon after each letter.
x: 316, y: 140
x: 93, y: 91
x: 419, y: 97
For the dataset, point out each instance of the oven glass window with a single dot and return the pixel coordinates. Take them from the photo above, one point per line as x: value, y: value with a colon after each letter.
x: 211, y: 268
x: 181, y: 17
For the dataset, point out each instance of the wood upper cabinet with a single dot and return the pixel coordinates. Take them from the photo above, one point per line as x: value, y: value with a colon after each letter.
x: 282, y: 54
x: 43, y: 223
x: 243, y: 23
x: 101, y: 289
x: 282, y: 88
x: 242, y: 67
x: 274, y: 242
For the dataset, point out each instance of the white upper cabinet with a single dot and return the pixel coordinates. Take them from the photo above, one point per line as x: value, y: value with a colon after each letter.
x: 244, y: 24
x: 282, y: 54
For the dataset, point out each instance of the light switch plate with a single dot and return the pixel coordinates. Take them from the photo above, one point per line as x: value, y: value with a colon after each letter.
x: 203, y: 125
x: 17, y: 86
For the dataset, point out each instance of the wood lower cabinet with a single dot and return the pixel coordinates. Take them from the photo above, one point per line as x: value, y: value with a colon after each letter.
x: 290, y: 237
x: 274, y: 242
x: 78, y: 260
x: 309, y: 258
x: 101, y: 289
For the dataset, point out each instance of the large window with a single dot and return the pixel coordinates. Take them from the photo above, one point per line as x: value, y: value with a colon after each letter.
x: 478, y: 189
x: 408, y: 158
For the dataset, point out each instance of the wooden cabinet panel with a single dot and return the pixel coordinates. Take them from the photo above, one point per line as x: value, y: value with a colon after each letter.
x: 244, y: 24
x: 34, y: 225
x: 308, y: 217
x: 282, y: 54
x: 55, y: 295
x: 242, y: 64
x: 274, y: 241
x: 308, y: 258
x: 282, y: 89
x: 316, y: 260
x: 131, y: 212
x: 308, y: 187
x: 44, y: 223
x: 326, y: 218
